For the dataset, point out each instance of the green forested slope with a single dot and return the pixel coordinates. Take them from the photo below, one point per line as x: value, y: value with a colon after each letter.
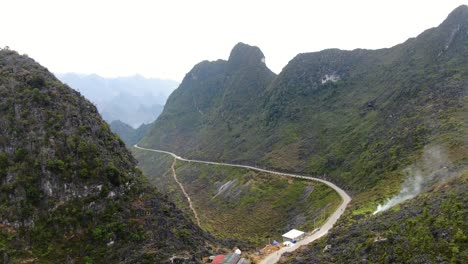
x: 69, y: 189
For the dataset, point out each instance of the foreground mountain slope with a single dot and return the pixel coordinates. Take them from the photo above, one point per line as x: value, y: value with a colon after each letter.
x: 356, y: 116
x: 69, y: 189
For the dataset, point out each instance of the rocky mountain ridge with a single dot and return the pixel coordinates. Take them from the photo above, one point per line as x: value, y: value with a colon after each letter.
x: 327, y: 112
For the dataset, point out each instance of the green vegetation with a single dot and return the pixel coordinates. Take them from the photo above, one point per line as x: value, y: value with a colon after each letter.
x: 69, y: 189
x: 241, y: 204
x: 358, y: 130
x: 428, y: 229
x: 357, y: 118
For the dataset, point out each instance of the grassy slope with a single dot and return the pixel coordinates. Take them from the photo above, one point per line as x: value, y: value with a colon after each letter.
x: 257, y: 206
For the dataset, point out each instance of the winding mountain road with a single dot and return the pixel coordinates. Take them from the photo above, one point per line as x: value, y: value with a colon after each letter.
x: 275, y: 256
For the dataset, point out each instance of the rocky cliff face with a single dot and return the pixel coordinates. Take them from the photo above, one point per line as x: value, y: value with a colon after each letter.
x: 69, y: 190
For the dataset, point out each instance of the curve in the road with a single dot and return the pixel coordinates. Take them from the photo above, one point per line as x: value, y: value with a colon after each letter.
x: 275, y: 256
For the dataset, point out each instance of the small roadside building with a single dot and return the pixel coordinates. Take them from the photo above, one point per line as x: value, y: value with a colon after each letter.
x: 234, y: 258
x: 218, y: 259
x: 293, y: 235
x: 231, y: 259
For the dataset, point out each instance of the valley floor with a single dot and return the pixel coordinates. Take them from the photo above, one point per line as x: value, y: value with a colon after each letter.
x: 275, y: 256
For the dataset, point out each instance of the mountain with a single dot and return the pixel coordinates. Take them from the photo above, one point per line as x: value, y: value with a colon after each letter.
x: 128, y: 134
x: 133, y: 100
x: 216, y: 103
x: 355, y: 116
x: 362, y: 119
x: 70, y: 191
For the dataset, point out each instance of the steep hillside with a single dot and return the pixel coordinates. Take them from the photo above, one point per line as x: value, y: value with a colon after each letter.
x: 424, y: 104
x: 357, y: 117
x: 69, y: 189
x: 128, y: 134
x: 213, y: 105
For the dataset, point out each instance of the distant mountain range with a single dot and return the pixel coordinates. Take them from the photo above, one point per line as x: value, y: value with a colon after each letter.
x: 134, y: 100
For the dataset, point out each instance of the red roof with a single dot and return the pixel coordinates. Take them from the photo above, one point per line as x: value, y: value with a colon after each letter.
x: 218, y: 259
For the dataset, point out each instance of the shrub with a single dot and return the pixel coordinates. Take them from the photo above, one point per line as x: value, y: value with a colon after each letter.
x: 60, y: 165
x: 20, y: 154
x: 3, y: 164
x: 33, y: 194
x: 56, y: 166
x: 84, y: 173
x: 97, y: 233
x: 82, y: 147
x: 113, y: 174
x: 88, y: 260
x: 3, y: 161
x: 37, y: 81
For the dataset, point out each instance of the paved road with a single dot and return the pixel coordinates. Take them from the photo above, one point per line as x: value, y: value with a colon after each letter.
x: 275, y: 256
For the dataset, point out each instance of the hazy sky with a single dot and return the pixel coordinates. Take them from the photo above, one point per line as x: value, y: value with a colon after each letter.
x: 166, y: 38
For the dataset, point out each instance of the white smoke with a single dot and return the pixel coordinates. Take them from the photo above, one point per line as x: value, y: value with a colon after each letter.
x: 431, y: 169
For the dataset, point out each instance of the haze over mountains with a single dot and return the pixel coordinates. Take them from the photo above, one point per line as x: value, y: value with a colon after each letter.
x: 134, y: 100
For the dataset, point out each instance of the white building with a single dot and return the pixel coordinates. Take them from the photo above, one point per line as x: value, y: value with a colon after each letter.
x: 293, y: 235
